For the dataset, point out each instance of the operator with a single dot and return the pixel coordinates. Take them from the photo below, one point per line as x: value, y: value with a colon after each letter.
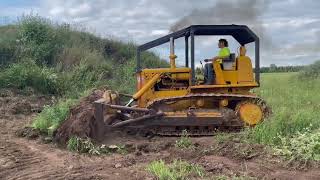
x: 223, y: 53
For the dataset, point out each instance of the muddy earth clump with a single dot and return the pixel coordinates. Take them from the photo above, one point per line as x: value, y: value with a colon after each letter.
x: 81, y: 121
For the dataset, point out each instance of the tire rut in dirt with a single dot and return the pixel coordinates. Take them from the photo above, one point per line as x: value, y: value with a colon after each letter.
x: 19, y: 162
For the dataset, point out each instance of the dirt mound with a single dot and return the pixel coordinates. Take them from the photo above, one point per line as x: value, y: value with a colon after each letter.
x: 81, y: 121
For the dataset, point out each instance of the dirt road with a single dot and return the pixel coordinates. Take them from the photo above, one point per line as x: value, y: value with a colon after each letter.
x: 22, y: 158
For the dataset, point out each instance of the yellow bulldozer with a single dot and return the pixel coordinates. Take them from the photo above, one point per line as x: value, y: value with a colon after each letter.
x: 170, y: 100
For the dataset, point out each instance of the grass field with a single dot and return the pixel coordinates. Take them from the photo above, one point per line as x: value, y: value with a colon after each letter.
x: 294, y: 125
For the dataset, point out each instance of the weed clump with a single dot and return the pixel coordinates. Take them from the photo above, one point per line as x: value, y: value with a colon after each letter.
x: 178, y: 169
x: 184, y: 142
x: 303, y: 147
x: 82, y: 146
x: 52, y: 116
x: 234, y: 177
x: 85, y: 145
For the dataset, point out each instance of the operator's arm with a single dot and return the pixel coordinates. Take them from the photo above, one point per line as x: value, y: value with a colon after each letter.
x: 224, y: 53
x: 219, y: 57
x: 216, y: 58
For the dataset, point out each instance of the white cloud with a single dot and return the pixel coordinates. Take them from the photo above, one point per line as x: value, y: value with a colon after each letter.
x: 293, y: 26
x: 159, y: 32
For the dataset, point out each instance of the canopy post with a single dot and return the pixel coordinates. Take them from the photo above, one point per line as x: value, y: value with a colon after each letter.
x: 186, y: 38
x: 193, y: 77
x: 257, y: 61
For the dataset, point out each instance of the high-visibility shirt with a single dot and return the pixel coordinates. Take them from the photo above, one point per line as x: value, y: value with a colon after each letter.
x: 224, y: 52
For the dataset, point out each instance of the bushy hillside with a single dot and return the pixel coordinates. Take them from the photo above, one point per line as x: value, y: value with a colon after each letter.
x: 56, y: 59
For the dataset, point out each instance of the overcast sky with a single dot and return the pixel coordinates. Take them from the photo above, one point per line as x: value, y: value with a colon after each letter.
x: 289, y: 29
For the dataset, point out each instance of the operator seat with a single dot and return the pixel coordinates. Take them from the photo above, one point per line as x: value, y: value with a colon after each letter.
x: 229, y: 62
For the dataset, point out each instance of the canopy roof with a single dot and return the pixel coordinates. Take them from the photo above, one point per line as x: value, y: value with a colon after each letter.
x: 241, y: 33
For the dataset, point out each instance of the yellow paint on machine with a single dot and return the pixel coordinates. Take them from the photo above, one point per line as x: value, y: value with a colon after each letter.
x: 164, y: 83
x: 240, y: 78
x: 250, y: 113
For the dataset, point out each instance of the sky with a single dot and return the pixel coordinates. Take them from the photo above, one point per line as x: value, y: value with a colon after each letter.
x: 289, y: 29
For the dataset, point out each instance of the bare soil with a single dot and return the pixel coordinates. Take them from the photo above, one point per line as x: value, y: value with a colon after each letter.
x: 32, y: 158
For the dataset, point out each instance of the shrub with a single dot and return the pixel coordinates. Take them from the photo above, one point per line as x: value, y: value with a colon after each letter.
x: 123, y: 80
x: 8, y: 45
x: 38, y: 39
x: 28, y: 74
x: 83, y: 77
x: 179, y: 169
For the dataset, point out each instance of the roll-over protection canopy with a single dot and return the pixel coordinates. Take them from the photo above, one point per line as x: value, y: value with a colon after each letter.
x: 240, y: 33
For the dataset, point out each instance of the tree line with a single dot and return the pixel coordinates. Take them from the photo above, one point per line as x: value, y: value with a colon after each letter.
x: 273, y: 68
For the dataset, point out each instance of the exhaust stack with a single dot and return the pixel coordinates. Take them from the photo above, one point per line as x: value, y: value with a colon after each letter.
x: 172, y: 55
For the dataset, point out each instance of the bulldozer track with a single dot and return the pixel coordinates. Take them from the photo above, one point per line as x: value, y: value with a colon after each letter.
x: 202, y: 95
x: 232, y: 123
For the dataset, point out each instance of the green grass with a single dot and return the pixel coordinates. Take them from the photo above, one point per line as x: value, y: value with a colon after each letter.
x: 293, y: 129
x: 177, y: 170
x: 295, y: 106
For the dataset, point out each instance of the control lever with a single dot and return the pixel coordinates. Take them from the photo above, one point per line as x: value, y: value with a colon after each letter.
x: 201, y: 64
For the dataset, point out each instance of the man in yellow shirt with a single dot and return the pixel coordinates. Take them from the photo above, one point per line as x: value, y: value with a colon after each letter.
x: 223, y: 53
